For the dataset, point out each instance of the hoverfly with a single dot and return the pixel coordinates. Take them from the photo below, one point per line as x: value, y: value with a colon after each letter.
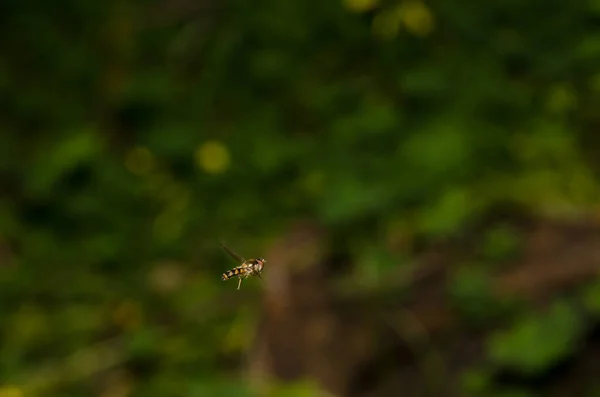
x: 246, y: 268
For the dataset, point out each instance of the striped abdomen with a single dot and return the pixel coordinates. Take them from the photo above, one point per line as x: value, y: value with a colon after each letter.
x: 236, y: 272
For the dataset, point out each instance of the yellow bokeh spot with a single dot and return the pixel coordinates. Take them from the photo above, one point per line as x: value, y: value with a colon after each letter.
x: 213, y: 157
x: 416, y: 17
x: 360, y: 5
x: 11, y: 391
x: 139, y: 161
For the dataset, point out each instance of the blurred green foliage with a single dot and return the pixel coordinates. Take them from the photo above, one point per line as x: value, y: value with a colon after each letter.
x: 500, y: 243
x: 591, y: 298
x: 136, y: 133
x: 537, y: 341
x: 472, y: 295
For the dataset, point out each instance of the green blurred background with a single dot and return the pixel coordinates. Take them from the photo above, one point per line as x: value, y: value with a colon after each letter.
x: 421, y: 176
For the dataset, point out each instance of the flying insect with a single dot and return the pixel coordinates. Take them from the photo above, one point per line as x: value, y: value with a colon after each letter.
x: 245, y: 269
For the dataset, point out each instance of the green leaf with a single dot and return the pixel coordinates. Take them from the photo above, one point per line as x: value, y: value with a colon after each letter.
x: 449, y: 213
x: 536, y: 342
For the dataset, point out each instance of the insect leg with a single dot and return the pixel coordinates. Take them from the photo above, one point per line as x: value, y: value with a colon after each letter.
x: 239, y: 283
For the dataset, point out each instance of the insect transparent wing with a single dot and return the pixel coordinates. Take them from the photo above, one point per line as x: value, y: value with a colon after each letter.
x: 232, y: 254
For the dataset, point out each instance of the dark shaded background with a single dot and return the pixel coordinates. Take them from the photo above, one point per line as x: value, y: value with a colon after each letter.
x: 422, y: 178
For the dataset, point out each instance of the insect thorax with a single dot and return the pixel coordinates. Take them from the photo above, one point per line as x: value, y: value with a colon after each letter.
x: 255, y: 264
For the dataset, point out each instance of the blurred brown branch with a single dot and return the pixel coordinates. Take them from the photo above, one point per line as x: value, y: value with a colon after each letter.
x: 308, y: 331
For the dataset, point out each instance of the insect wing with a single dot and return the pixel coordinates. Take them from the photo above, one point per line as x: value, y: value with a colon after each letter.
x: 232, y: 254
